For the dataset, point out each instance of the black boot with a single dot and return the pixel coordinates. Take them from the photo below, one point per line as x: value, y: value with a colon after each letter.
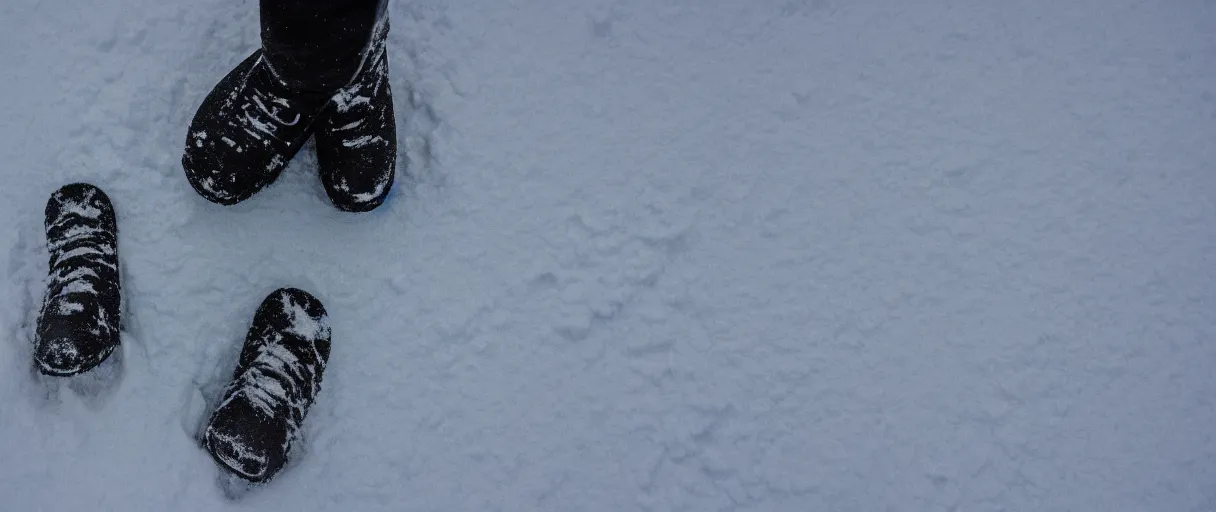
x: 78, y: 326
x: 255, y: 427
x: 357, y: 135
x: 246, y: 131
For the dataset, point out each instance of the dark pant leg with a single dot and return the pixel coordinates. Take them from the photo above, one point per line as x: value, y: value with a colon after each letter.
x: 317, y: 45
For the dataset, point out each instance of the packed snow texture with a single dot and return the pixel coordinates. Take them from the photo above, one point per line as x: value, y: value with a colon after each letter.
x: 660, y: 255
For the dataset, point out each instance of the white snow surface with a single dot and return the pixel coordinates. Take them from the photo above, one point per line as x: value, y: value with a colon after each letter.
x: 659, y: 255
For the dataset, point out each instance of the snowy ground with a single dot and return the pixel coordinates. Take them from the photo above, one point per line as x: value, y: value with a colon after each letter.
x: 663, y: 255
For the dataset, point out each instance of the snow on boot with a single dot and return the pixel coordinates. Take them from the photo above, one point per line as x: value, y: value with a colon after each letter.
x: 256, y: 425
x: 246, y: 131
x: 356, y: 136
x: 78, y: 325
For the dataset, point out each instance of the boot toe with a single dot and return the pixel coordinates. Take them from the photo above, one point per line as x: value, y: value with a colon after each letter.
x: 359, y: 197
x: 220, y: 174
x: 243, y: 440
x: 63, y: 356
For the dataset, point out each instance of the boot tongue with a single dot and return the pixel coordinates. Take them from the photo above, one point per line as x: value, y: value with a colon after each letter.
x: 305, y: 100
x: 246, y: 440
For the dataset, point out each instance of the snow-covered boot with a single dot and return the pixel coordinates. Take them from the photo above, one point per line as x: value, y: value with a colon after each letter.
x: 356, y: 135
x: 246, y: 131
x: 256, y: 425
x: 78, y: 325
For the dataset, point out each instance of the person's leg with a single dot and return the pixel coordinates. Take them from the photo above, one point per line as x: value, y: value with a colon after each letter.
x: 338, y: 48
x: 317, y: 45
x: 314, y: 54
x: 357, y: 136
